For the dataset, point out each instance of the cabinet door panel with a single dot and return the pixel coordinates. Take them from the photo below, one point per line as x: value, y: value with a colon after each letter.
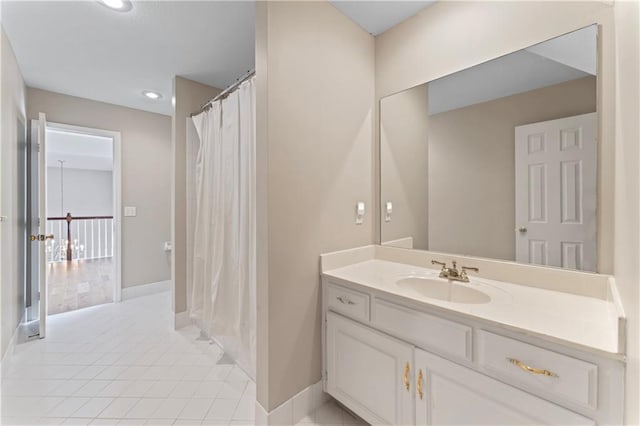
x: 456, y: 395
x: 366, y: 372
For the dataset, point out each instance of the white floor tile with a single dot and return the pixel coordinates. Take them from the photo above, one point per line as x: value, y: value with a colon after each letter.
x: 170, y: 408
x: 123, y: 364
x: 219, y: 372
x: 92, y: 388
x: 184, y: 389
x: 196, y: 408
x: 232, y: 390
x: 50, y: 421
x: 208, y: 389
x: 68, y: 388
x: 104, y: 422
x: 111, y: 372
x: 222, y: 409
x: 67, y: 407
x: 92, y: 408
x: 77, y: 421
x: 115, y: 388
x: 161, y: 389
x: 133, y: 372
x: 144, y: 408
x: 89, y: 372
x: 118, y: 408
x: 136, y: 388
x: 18, y: 406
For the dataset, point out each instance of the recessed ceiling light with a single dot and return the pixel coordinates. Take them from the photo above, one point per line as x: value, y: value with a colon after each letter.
x: 152, y: 95
x: 119, y: 5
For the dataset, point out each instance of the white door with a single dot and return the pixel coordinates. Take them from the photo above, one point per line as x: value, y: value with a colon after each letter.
x: 369, y: 372
x: 556, y: 192
x: 37, y: 226
x: 450, y: 394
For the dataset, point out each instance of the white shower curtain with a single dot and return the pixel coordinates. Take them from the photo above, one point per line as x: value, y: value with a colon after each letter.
x: 224, y: 259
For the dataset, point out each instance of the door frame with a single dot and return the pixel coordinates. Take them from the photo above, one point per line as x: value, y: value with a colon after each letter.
x: 117, y: 192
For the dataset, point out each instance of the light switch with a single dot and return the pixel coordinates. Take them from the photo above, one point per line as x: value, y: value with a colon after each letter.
x: 388, y: 209
x: 129, y: 211
x: 360, y: 213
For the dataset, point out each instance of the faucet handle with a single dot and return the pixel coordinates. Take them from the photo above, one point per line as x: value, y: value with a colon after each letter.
x: 435, y: 262
x: 464, y: 270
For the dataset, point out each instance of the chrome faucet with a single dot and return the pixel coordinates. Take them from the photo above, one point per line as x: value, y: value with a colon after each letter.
x: 453, y: 274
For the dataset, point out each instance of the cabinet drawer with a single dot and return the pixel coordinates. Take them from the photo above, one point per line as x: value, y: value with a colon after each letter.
x: 539, y: 369
x: 349, y: 302
x: 424, y: 330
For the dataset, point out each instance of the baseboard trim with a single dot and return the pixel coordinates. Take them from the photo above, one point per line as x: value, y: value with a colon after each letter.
x: 11, y: 347
x: 289, y: 413
x: 181, y: 319
x: 145, y: 289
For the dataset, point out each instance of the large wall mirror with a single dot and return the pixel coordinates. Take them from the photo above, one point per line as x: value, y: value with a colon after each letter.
x: 498, y: 160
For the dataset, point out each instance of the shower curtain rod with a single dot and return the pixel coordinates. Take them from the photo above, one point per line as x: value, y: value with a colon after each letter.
x: 226, y: 92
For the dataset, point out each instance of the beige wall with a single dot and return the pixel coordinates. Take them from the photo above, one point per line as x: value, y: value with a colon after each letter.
x: 415, y: 52
x: 404, y: 165
x: 627, y: 192
x: 146, y: 165
x: 189, y: 96
x: 315, y: 104
x: 12, y: 169
x: 471, y: 166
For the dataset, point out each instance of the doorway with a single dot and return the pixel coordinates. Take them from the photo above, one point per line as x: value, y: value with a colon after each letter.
x: 74, y: 209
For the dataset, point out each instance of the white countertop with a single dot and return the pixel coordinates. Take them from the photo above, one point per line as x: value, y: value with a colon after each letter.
x: 586, y: 321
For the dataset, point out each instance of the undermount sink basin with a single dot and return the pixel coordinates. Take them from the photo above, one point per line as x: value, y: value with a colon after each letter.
x: 449, y: 291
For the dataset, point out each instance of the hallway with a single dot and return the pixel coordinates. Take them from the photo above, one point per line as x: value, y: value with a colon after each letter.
x: 79, y: 283
x: 123, y: 364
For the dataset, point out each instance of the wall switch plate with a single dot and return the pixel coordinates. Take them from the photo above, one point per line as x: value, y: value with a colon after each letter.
x: 360, y: 213
x: 388, y: 209
x: 130, y: 211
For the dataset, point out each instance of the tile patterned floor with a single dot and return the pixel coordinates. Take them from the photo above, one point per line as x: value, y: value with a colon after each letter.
x: 123, y: 364
x: 331, y: 414
x: 79, y: 284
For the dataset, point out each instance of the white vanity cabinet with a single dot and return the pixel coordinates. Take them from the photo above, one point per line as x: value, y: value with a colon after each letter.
x: 369, y: 371
x: 399, y: 364
x: 449, y: 394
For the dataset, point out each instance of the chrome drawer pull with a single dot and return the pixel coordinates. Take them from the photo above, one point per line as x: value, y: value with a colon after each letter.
x: 529, y: 369
x: 345, y: 301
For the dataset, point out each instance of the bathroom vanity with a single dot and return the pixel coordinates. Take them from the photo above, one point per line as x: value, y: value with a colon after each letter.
x: 403, y: 346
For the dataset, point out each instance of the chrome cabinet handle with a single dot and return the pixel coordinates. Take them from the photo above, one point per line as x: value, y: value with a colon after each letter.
x: 530, y: 369
x: 345, y: 301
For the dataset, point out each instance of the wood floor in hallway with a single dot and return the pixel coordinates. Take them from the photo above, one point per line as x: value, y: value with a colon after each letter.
x: 79, y: 284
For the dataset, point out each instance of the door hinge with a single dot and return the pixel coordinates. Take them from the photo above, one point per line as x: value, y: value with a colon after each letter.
x: 38, y: 147
x: 38, y: 295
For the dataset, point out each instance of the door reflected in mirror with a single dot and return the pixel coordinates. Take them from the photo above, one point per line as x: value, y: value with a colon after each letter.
x: 498, y: 160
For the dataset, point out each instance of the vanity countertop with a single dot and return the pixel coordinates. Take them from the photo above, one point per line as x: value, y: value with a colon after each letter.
x: 589, y: 322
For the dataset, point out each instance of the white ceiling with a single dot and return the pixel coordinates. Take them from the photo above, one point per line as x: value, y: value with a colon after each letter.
x: 378, y: 16
x: 84, y: 49
x: 555, y: 61
x: 79, y: 151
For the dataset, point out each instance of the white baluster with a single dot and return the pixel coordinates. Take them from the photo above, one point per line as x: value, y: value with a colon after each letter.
x: 106, y: 238
x: 84, y: 239
x: 99, y: 238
